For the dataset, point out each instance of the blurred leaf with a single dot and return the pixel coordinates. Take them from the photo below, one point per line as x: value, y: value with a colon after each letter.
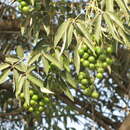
x: 46, y: 65
x: 11, y: 59
x: 34, y: 58
x: 68, y: 94
x: 45, y: 90
x: 54, y: 61
x: 21, y: 80
x: 21, y: 67
x: 30, y: 68
x: 70, y: 34
x: 4, y: 66
x: 71, y: 80
x: 26, y: 91
x: 109, y: 5
x: 4, y: 75
x: 20, y: 51
x: 47, y: 29
x: 59, y: 34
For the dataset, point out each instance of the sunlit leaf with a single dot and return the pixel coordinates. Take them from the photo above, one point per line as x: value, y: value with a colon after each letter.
x: 46, y: 65
x: 109, y: 5
x: 21, y: 67
x: 20, y: 51
x: 59, y: 34
x: 4, y: 75
x: 11, y: 59
x: 4, y: 66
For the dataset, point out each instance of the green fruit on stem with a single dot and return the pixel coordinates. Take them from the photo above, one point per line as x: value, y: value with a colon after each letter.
x: 33, y: 102
x: 99, y: 75
x: 87, y: 91
x: 82, y: 73
x: 83, y: 87
x: 84, y: 81
x: 22, y: 95
x: 41, y: 103
x: 31, y: 92
x: 91, y: 59
x: 109, y: 61
x: 95, y: 95
x: 35, y: 97
x: 80, y: 77
x: 86, y: 63
x: 30, y: 109
x: 104, y: 65
x: 25, y: 106
x: 84, y: 47
x: 109, y: 50
x: 25, y: 9
x: 23, y: 3
x: 100, y: 70
x: 98, y: 50
x: 85, y: 55
x: 46, y: 99
x: 81, y: 52
x: 91, y: 66
x: 102, y: 57
x: 81, y: 60
x: 41, y: 108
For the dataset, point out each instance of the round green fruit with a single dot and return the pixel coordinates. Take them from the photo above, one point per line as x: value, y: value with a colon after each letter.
x: 23, y: 3
x: 84, y: 81
x: 25, y: 9
x: 109, y: 61
x: 81, y: 52
x: 95, y: 95
x: 98, y: 50
x: 82, y: 73
x: 104, y: 65
x: 91, y: 59
x: 46, y: 99
x: 80, y: 77
x: 83, y: 87
x: 102, y: 57
x: 22, y: 95
x: 85, y: 55
x: 86, y: 63
x: 81, y: 60
x: 33, y: 102
x: 91, y: 66
x: 109, y: 50
x: 84, y: 47
x: 25, y: 106
x: 100, y: 70
x: 31, y: 92
x: 30, y: 109
x: 41, y: 103
x: 37, y: 112
x: 41, y: 108
x: 99, y: 75
x: 35, y: 97
x: 87, y: 91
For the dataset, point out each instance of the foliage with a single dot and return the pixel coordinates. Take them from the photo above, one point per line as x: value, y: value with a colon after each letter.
x: 50, y: 44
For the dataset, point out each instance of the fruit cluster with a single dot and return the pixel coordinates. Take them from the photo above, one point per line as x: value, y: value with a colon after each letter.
x: 24, y: 6
x: 37, y: 103
x: 93, y: 66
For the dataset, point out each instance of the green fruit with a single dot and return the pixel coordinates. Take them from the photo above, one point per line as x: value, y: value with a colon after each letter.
x: 81, y: 60
x: 25, y: 9
x: 87, y: 91
x: 89, y: 51
x: 41, y: 103
x: 91, y: 66
x: 30, y: 109
x: 98, y: 50
x: 85, y: 63
x: 80, y: 77
x: 25, y: 105
x: 104, y: 65
x: 85, y: 55
x: 98, y: 65
x: 99, y: 75
x: 109, y: 61
x: 100, y: 70
x: 91, y: 59
x: 95, y: 94
x: 32, y: 102
x: 91, y: 81
x: 41, y: 108
x: 84, y: 47
x: 23, y: 3
x: 46, y: 99
x: 102, y: 57
x: 81, y: 52
x: 35, y: 97
x: 82, y: 73
x: 31, y: 92
x: 20, y: 0
x: 109, y: 50
x: 84, y: 81
x: 22, y: 95
x: 83, y: 87
x: 37, y: 112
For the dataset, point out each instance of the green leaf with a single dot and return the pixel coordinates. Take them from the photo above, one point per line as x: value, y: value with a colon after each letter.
x: 97, y: 29
x: 116, y: 19
x: 30, y: 68
x: 59, y: 34
x: 77, y: 58
x: 70, y: 80
x: 26, y: 91
x: 11, y: 59
x: 84, y: 31
x: 4, y: 75
x: 70, y: 34
x: 20, y: 51
x: 53, y: 61
x: 15, y: 78
x: 110, y: 26
x: 68, y: 94
x: 21, y: 67
x: 21, y: 80
x: 4, y: 66
x: 123, y: 5
x: 46, y: 65
x: 34, y: 58
x: 109, y: 5
x: 35, y: 80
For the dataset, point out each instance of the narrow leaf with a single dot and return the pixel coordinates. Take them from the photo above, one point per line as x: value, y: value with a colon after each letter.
x: 45, y: 90
x: 63, y: 27
x: 68, y: 94
x: 4, y: 75
x: 109, y: 5
x: 4, y: 66
x: 20, y: 51
x: 46, y: 65
x: 11, y: 59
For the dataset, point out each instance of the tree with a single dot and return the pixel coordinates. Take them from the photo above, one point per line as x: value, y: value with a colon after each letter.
x: 63, y: 61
